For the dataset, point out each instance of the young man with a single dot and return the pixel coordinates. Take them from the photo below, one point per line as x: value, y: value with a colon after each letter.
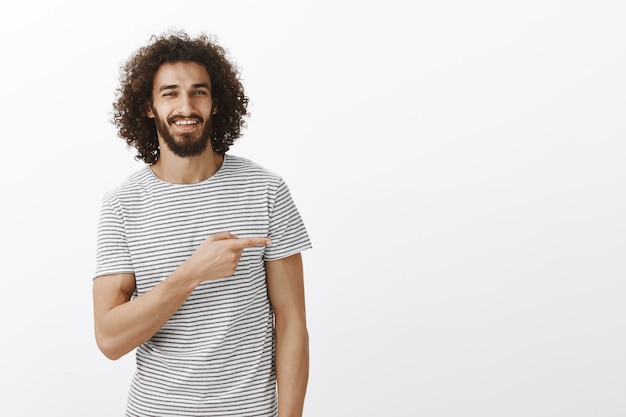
x: 198, y: 255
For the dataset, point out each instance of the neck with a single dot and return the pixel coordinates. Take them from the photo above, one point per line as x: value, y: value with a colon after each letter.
x: 174, y: 169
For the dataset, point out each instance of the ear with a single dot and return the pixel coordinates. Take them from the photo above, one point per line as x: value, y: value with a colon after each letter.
x: 149, y: 112
x: 214, y: 110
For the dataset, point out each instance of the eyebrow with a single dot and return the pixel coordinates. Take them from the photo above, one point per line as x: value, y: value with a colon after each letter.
x: 175, y: 86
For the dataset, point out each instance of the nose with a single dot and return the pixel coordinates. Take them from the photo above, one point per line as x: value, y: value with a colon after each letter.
x: 185, y: 106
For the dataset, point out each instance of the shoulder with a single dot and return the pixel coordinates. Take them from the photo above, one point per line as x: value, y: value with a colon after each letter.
x: 244, y: 168
x: 129, y: 187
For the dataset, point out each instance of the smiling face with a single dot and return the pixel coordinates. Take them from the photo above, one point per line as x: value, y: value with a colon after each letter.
x: 182, y: 107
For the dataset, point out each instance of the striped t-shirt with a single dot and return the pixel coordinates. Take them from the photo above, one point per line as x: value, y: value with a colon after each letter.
x: 215, y: 355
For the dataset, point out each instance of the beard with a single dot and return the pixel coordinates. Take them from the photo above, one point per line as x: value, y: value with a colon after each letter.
x: 184, y: 144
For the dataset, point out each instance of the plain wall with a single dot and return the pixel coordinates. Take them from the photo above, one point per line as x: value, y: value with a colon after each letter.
x: 459, y: 167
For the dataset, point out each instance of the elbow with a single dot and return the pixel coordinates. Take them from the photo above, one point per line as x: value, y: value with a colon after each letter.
x: 109, y: 349
x: 292, y: 325
x: 111, y: 355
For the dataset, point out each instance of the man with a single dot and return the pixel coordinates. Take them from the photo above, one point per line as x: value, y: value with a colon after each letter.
x: 198, y: 255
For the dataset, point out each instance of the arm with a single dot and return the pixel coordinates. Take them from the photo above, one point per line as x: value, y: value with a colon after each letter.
x: 286, y: 291
x: 121, y: 323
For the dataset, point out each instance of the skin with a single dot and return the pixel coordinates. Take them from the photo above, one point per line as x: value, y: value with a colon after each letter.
x: 182, y: 91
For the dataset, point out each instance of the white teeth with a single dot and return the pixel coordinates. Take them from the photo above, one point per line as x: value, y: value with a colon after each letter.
x: 186, y: 122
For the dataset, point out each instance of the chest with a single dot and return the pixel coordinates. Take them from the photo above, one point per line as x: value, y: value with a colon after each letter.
x: 163, y: 229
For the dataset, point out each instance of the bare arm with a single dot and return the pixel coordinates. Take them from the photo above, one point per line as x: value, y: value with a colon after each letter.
x: 286, y: 291
x: 122, y: 324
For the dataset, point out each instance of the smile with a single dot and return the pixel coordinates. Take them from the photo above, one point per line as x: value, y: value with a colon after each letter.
x: 185, y: 122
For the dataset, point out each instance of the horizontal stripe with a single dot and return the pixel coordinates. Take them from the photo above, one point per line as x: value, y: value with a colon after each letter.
x: 215, y: 355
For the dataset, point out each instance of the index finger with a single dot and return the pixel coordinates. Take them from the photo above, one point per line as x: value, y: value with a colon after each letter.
x: 249, y: 242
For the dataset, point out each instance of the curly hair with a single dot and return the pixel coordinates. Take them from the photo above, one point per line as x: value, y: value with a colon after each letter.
x: 134, y: 94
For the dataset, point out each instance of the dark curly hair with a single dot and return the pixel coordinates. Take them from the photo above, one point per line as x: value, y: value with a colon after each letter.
x: 134, y: 94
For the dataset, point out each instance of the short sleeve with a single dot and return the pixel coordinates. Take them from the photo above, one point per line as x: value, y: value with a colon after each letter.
x: 286, y: 228
x: 112, y: 254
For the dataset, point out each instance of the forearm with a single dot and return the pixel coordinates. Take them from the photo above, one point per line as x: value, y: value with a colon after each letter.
x: 129, y: 324
x: 122, y: 323
x: 292, y: 366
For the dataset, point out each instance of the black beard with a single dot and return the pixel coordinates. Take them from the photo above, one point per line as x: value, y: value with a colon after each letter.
x: 186, y: 145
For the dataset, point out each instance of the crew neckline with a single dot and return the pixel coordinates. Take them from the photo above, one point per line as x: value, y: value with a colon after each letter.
x: 153, y: 175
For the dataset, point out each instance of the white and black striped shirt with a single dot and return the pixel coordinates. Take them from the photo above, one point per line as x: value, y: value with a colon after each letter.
x: 215, y: 356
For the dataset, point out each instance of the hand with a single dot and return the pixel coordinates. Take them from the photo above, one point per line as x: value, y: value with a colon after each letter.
x: 219, y: 254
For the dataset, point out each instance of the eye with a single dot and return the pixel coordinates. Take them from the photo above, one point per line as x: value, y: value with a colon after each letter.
x: 199, y: 93
x: 169, y: 94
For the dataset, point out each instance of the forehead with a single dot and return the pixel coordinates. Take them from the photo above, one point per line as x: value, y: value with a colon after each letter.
x: 181, y: 74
